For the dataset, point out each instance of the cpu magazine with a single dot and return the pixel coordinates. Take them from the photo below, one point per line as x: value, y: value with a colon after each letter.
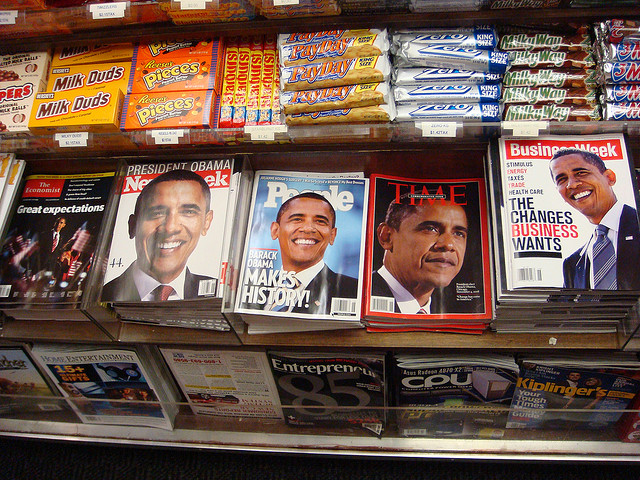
x: 303, y: 252
x: 551, y: 210
x: 169, y: 230
x: 332, y: 390
x: 427, y: 251
x: 48, y: 250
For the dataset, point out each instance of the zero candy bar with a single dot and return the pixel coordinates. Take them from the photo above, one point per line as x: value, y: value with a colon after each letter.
x: 444, y: 56
x: 484, y: 112
x: 447, y: 93
x: 556, y: 77
x: 548, y: 58
x: 549, y: 94
x: 370, y: 114
x: 349, y: 47
x: 349, y: 71
x: 334, y: 98
x: 474, y: 38
x: 621, y: 72
x: 544, y: 41
x: 563, y: 112
x: 419, y: 75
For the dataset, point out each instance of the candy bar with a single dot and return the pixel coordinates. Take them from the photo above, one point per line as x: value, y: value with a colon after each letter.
x: 550, y: 59
x: 621, y: 111
x: 549, y: 94
x: 628, y: 51
x: 562, y: 113
x: 483, y: 112
x: 447, y: 93
x: 285, y: 39
x: 473, y: 38
x: 418, y: 75
x: 621, y: 72
x: 577, y: 78
x: 370, y: 114
x: 444, y: 56
x: 615, y: 31
x: 334, y: 98
x: 545, y: 41
x: 621, y: 93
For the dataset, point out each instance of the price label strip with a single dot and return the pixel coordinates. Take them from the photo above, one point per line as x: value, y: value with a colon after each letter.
x: 526, y: 128
x: 8, y: 17
x: 438, y: 129
x: 282, y: 3
x: 108, y: 10
x: 167, y: 137
x: 71, y: 140
x: 264, y: 133
x: 194, y: 4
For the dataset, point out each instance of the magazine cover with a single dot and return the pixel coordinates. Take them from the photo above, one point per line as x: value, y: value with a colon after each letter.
x: 48, y: 249
x: 227, y: 383
x: 115, y: 386
x: 563, y: 396
x: 459, y: 395
x: 331, y: 390
x: 303, y: 254
x: 427, y: 250
x: 168, y: 235
x: 564, y: 198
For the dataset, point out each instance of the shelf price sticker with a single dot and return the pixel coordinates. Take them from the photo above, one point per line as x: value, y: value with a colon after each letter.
x: 167, y: 137
x: 8, y: 17
x: 282, y: 3
x: 526, y: 128
x: 194, y: 4
x: 108, y: 10
x: 438, y: 129
x: 265, y: 133
x: 72, y: 139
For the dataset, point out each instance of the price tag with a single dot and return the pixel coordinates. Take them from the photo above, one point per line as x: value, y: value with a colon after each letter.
x: 526, y: 128
x: 264, y: 132
x: 193, y: 4
x: 8, y: 17
x: 167, y: 137
x: 76, y: 139
x: 108, y: 10
x: 438, y: 129
x: 282, y: 3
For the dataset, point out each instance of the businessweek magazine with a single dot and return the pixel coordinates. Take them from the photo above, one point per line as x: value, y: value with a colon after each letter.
x: 539, y: 229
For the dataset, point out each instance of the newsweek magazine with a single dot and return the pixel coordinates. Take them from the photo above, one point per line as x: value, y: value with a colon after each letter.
x: 174, y: 236
x: 301, y: 271
x: 48, y: 249
x: 454, y: 394
x: 563, y: 392
x: 540, y: 230
x: 111, y: 386
x: 332, y: 390
x: 428, y: 262
x: 225, y: 383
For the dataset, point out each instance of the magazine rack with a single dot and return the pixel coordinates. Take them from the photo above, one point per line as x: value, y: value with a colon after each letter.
x: 366, y: 147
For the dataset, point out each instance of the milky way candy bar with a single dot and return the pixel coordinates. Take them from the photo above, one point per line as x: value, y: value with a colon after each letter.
x: 549, y: 94
x: 550, y: 59
x: 563, y: 112
x: 621, y: 72
x: 484, y: 112
x: 621, y: 93
x: 334, y: 98
x: 447, y: 93
x: 418, y: 75
x: 444, y: 56
x: 621, y: 111
x: 476, y: 38
x: 568, y: 77
x: 545, y: 41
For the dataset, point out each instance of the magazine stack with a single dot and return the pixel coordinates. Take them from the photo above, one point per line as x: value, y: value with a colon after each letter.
x: 566, y: 233
x: 574, y: 391
x: 453, y: 395
x: 303, y: 254
x: 341, y: 391
x: 48, y: 250
x: 112, y: 386
x: 166, y: 264
x: 427, y: 256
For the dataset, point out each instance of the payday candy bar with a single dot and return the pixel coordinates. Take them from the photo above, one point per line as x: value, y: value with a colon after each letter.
x: 549, y: 94
x: 310, y: 37
x: 419, y: 75
x: 475, y: 38
x: 349, y: 71
x: 370, y: 114
x: 621, y: 93
x: 545, y: 41
x: 447, y: 93
x: 562, y: 112
x: 350, y: 47
x: 549, y: 59
x: 444, y: 56
x: 621, y: 72
x: 577, y: 78
x: 484, y: 112
x: 334, y: 98
x: 621, y: 111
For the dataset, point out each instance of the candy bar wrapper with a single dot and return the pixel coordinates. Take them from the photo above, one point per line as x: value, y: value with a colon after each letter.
x: 473, y: 38
x: 620, y: 72
x: 549, y: 94
x: 550, y: 59
x: 621, y: 111
x: 499, y: 4
x: 366, y: 45
x: 444, y: 56
x: 568, y: 77
x: 334, y: 98
x: 615, y: 31
x: 420, y: 75
x: 483, y: 112
x: 627, y: 51
x: 621, y: 93
x: 300, y: 38
x: 545, y: 41
x: 371, y: 114
x: 350, y: 71
x: 447, y: 93
x: 562, y: 113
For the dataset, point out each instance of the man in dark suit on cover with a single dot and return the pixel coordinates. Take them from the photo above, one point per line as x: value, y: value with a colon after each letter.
x: 585, y: 183
x: 305, y: 226
x: 171, y: 213
x: 424, y: 247
x: 50, y: 243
